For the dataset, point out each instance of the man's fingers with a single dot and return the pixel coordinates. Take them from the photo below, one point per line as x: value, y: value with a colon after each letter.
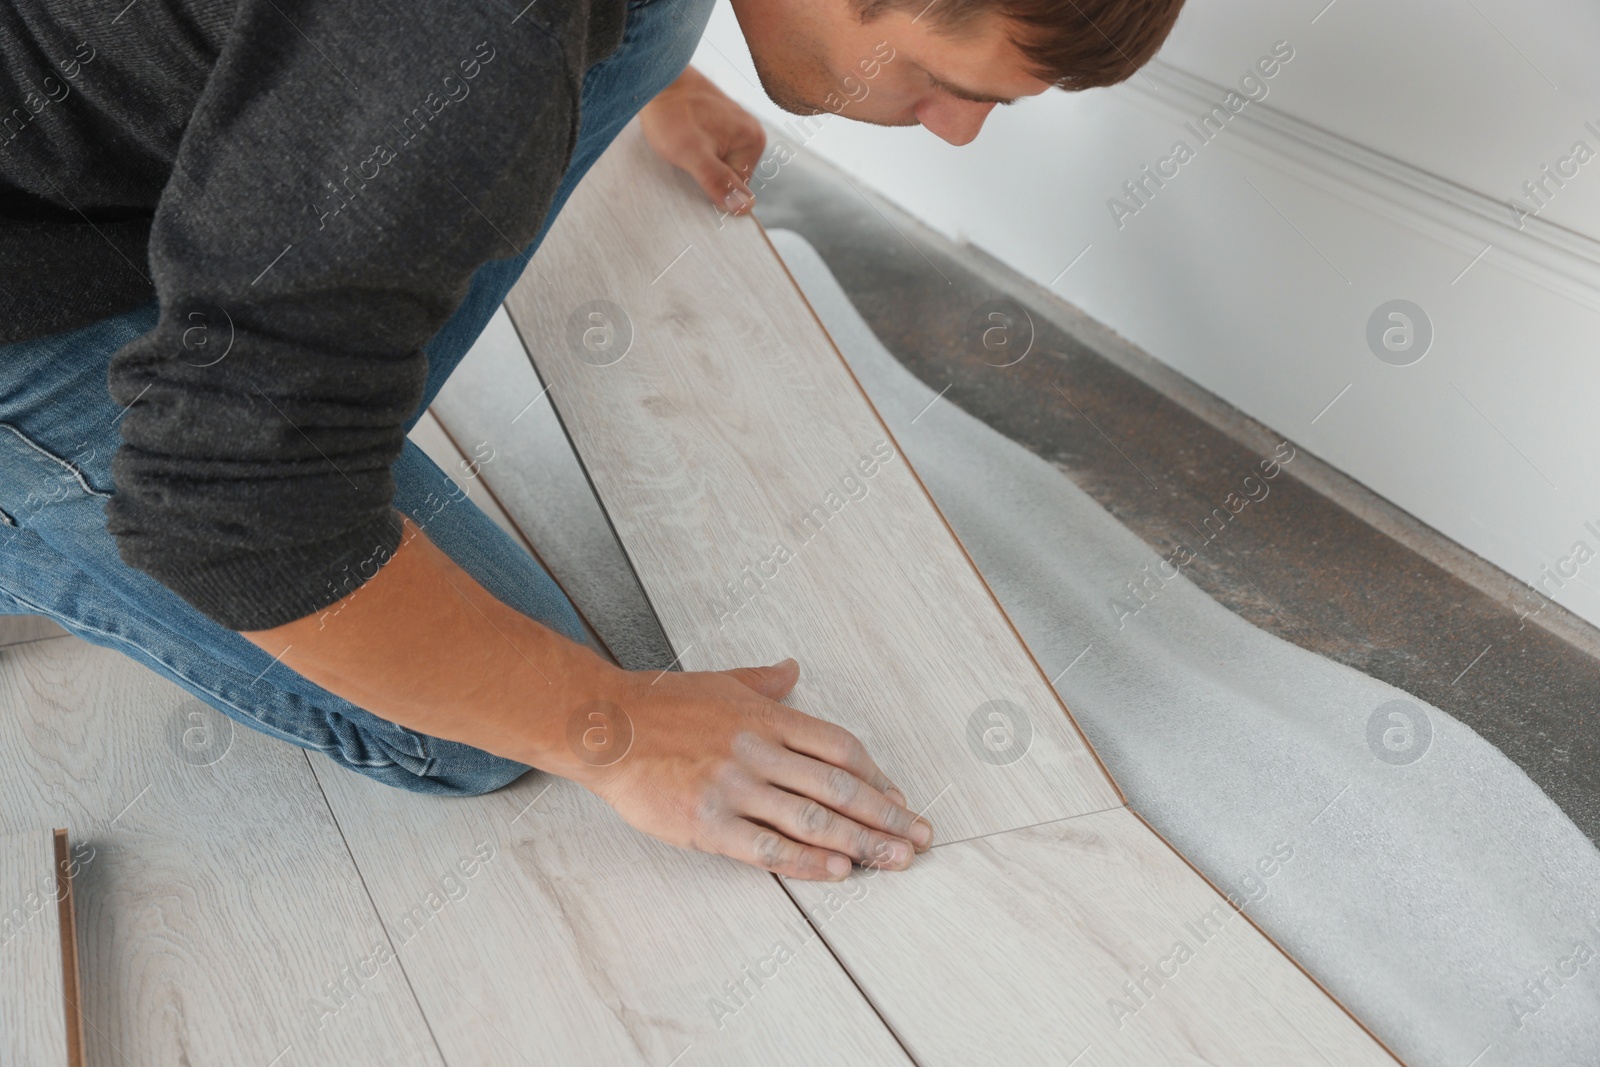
x: 840, y: 791
x: 724, y: 186
x: 823, y: 740
x: 772, y: 682
x: 761, y: 846
x: 805, y: 819
x: 745, y: 151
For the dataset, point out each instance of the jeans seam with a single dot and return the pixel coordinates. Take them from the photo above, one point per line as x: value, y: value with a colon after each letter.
x: 77, y: 472
x: 429, y: 760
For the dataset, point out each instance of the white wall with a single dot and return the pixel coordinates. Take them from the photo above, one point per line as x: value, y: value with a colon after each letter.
x: 1255, y: 268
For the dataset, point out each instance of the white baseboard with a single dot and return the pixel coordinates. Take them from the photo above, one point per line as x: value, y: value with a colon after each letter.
x: 1472, y: 222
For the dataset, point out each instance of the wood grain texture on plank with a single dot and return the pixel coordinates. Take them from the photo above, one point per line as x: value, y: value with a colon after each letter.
x: 537, y: 927
x: 495, y: 396
x: 468, y: 474
x: 220, y: 918
x: 1086, y: 941
x: 430, y: 435
x: 766, y: 508
x: 17, y: 629
x: 33, y: 1022
x: 713, y: 417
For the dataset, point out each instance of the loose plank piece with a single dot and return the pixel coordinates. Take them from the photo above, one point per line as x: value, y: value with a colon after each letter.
x: 747, y: 477
x: 33, y: 987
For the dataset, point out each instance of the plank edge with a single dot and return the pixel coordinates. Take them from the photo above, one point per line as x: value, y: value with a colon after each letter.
x: 71, y: 987
x: 1269, y: 939
x: 521, y: 534
x: 1117, y: 789
x: 950, y: 530
x: 514, y: 314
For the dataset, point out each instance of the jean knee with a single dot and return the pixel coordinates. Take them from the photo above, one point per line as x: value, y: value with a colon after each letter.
x: 453, y: 770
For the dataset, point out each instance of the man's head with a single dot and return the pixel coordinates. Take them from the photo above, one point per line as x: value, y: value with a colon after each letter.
x: 943, y: 64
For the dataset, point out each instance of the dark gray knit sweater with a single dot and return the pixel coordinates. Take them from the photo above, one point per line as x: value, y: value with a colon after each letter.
x: 322, y: 175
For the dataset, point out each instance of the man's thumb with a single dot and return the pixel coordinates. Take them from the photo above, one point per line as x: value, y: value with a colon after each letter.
x: 726, y: 188
x: 771, y: 682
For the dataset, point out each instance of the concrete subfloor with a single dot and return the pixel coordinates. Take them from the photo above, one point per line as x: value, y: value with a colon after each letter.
x: 1297, y: 563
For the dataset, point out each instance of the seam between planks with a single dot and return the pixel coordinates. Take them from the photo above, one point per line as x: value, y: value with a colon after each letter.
x: 527, y: 542
x: 1269, y: 939
x: 971, y: 563
x: 33, y: 640
x: 848, y: 973
x: 594, y: 491
x: 1035, y: 826
x: 1031, y: 658
x: 373, y: 904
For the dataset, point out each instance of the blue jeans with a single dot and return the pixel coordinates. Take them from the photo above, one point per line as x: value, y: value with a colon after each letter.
x: 58, y: 431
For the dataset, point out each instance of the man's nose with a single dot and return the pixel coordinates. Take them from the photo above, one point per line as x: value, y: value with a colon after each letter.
x: 953, y: 120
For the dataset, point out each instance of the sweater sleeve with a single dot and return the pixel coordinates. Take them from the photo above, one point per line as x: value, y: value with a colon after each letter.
x: 343, y: 174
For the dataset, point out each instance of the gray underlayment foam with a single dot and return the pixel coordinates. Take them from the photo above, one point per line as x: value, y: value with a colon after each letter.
x: 1424, y: 895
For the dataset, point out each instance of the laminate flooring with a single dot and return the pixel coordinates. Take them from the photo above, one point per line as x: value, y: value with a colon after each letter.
x: 246, y: 902
x: 216, y: 901
x: 32, y: 1012
x: 709, y: 438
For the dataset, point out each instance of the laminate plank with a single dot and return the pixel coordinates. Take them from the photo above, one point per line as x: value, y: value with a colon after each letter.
x: 1086, y: 941
x: 495, y: 396
x: 71, y: 976
x: 766, y: 508
x: 537, y: 927
x: 468, y: 473
x: 430, y: 435
x: 706, y: 429
x: 220, y: 918
x: 33, y: 1024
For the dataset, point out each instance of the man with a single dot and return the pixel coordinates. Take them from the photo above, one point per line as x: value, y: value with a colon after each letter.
x: 273, y: 228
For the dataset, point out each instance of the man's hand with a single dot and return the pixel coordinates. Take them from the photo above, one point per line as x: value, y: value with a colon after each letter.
x: 694, y: 126
x: 707, y: 760
x: 713, y: 762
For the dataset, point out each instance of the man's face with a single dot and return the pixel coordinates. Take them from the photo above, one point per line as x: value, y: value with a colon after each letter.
x: 816, y: 56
